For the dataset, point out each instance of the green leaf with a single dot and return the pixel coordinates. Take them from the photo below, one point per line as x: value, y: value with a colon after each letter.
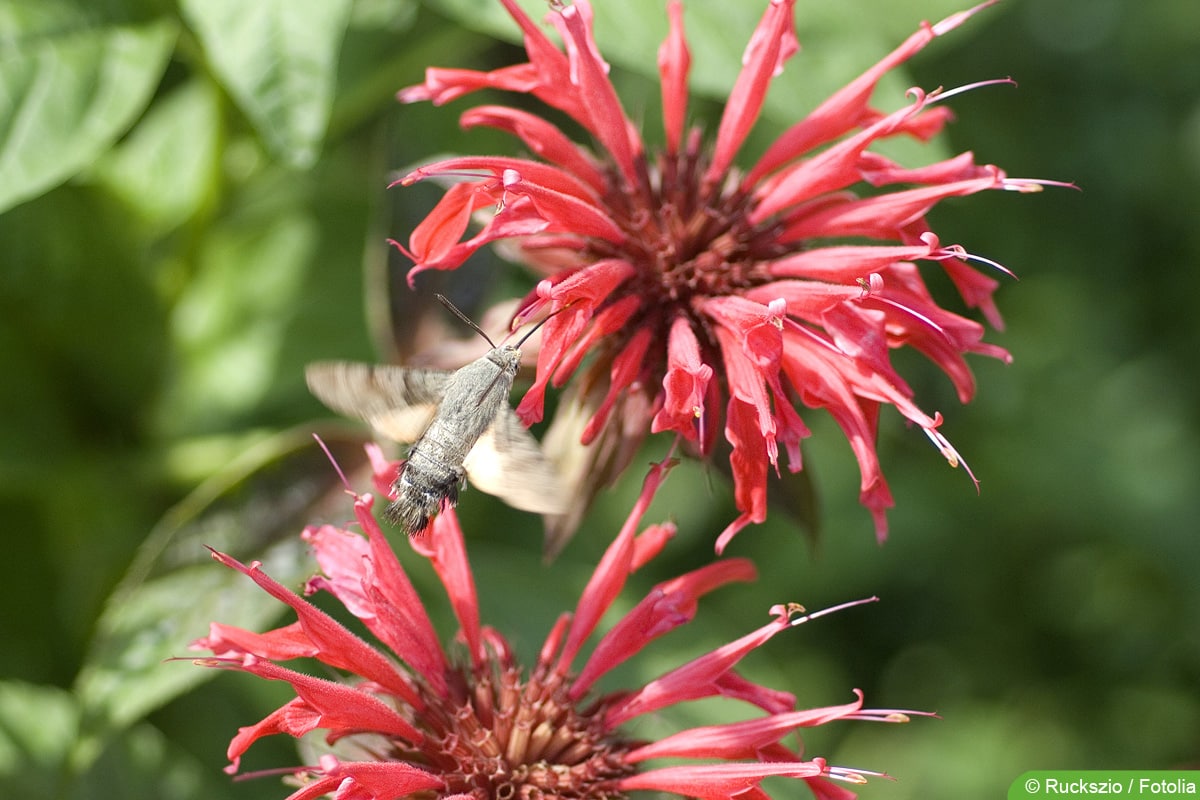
x: 72, y: 268
x: 37, y: 725
x: 278, y: 60
x: 38, y: 728
x: 70, y: 85
x: 231, y: 322
x: 255, y: 509
x: 142, y: 762
x: 164, y: 170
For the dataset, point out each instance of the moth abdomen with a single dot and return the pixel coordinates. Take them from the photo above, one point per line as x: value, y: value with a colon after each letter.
x: 420, y: 494
x: 412, y: 516
x: 432, y: 475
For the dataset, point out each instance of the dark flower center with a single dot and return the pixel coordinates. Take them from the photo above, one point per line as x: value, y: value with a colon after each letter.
x: 687, y: 239
x: 504, y: 739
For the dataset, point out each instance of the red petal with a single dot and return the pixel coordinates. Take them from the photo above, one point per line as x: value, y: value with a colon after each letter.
x: 444, y: 547
x: 748, y: 463
x: 626, y: 367
x: 281, y: 644
x: 750, y: 338
x: 440, y: 232
x: 318, y: 788
x: 550, y: 65
x: 564, y: 212
x: 383, y: 779
x: 698, y: 678
x: 494, y: 167
x: 337, y: 646
x: 404, y: 624
x: 846, y: 109
x: 323, y: 704
x: 880, y: 171
x: 674, y: 63
x: 610, y: 319
x: 740, y: 740
x: 773, y: 43
x: 606, y: 119
x: 883, y: 216
x: 295, y: 718
x: 773, y: 701
x: 573, y: 300
x: 845, y: 264
x: 834, y: 168
x: 443, y: 85
x: 666, y: 607
x: 720, y: 781
x: 543, y: 138
x: 684, y: 384
x: 610, y: 574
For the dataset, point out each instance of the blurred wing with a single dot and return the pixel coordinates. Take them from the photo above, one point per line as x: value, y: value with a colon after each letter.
x: 396, y: 401
x: 508, y: 463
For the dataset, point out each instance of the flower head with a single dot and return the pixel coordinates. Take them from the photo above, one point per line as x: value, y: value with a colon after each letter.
x: 408, y: 718
x: 700, y: 297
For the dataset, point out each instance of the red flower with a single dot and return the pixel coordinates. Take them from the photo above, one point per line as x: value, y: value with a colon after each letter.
x: 710, y: 297
x: 417, y: 722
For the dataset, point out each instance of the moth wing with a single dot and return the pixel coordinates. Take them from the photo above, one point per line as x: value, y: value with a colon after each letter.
x: 508, y: 462
x: 399, y: 402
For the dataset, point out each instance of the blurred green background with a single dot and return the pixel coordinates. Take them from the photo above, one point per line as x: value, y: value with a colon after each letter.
x: 193, y: 205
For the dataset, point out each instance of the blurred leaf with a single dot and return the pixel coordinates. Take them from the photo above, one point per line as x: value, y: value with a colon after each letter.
x: 231, y: 320
x: 254, y: 510
x: 392, y: 15
x: 37, y: 726
x: 381, y: 53
x: 165, y: 168
x: 278, y: 59
x: 70, y: 260
x: 141, y: 762
x: 71, y: 83
x: 82, y: 345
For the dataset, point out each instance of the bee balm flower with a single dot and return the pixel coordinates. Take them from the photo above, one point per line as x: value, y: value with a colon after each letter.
x: 407, y: 718
x: 705, y: 298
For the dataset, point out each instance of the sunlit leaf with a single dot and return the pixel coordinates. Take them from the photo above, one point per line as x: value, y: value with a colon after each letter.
x: 71, y: 83
x: 230, y: 324
x: 165, y: 168
x: 278, y: 59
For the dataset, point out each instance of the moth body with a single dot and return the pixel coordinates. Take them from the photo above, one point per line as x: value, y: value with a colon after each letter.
x: 461, y: 426
x: 434, y: 471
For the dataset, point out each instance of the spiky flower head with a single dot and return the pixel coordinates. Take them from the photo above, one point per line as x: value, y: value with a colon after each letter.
x: 405, y: 717
x: 704, y: 298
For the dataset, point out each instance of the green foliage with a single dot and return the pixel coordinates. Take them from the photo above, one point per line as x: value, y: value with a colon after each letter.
x: 193, y: 206
x: 74, y: 80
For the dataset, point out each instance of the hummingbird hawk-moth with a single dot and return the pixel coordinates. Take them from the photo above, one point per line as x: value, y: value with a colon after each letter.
x: 460, y: 424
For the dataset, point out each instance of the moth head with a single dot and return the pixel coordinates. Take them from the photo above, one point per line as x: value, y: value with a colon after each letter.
x: 507, y: 357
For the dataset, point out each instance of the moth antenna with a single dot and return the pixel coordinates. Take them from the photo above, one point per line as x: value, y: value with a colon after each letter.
x: 446, y: 302
x: 518, y: 346
x: 543, y: 321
